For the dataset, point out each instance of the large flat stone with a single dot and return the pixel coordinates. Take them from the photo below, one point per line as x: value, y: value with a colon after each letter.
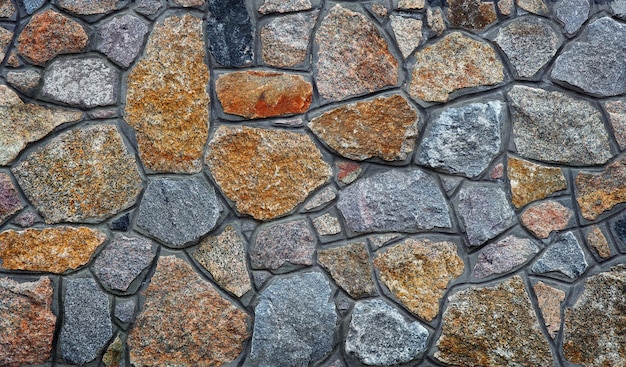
x: 546, y: 217
x: 597, y: 192
x: 230, y: 32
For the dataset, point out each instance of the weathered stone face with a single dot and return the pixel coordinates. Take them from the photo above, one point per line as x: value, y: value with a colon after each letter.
x: 408, y: 33
x: 544, y: 218
x: 471, y: 15
x: 550, y: 300
x: 350, y: 267
x: 503, y: 256
x: 88, y: 7
x: 290, y: 242
x: 10, y: 201
x: 564, y: 255
x: 285, y: 40
x: 599, y: 192
x: 530, y: 181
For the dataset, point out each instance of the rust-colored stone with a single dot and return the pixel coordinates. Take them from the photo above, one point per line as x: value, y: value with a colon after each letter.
x: 541, y: 219
x: 54, y: 249
x: 347, y: 171
x: 599, y: 192
x: 530, y: 181
x: 597, y: 240
x: 549, y: 300
x: 472, y: 15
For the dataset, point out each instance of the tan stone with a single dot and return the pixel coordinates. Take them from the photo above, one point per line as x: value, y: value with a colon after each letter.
x: 265, y: 172
x: 54, y: 249
x: 597, y: 240
x: 505, y: 7
x: 616, y: 111
x: 410, y: 4
x: 385, y: 127
x: 543, y: 218
x: 601, y: 191
x: 434, y: 17
x: 87, y: 7
x: 418, y: 273
x: 533, y: 6
x: 6, y: 36
x: 349, y: 266
x: 550, y: 300
x: 167, y: 103
x: 7, y: 9
x: 408, y: 33
x: 530, y: 181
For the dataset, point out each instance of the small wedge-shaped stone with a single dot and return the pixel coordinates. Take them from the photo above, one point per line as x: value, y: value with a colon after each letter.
x: 564, y: 255
x: 530, y: 181
x: 597, y: 192
x: 616, y: 111
x: 350, y: 268
x: 10, y: 201
x: 550, y: 300
x: 385, y: 127
x: 504, y: 256
x: 471, y: 15
x: 88, y: 7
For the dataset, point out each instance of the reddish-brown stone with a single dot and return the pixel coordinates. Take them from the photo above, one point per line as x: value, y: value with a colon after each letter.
x: 347, y: 172
x: 472, y: 15
x: 541, y: 219
x: 597, y: 240
x: 599, y: 192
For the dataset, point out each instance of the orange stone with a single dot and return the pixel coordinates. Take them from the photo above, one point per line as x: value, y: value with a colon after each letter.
x: 543, y: 218
x: 601, y: 191
x: 530, y: 181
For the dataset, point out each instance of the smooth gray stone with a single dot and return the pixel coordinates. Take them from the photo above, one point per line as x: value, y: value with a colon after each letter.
x: 564, y: 256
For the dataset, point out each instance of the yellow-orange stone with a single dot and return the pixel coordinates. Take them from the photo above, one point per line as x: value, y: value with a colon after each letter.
x: 599, y: 192
x: 531, y: 181
x: 54, y: 249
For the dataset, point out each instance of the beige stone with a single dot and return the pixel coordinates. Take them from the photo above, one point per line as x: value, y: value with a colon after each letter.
x: 597, y: 240
x: 530, y: 181
x: 550, y: 300
x: 349, y: 266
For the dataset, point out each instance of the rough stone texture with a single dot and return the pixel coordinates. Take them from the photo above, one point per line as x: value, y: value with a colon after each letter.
x: 485, y: 211
x: 434, y: 18
x: 418, y: 273
x: 503, y: 256
x: 616, y: 111
x: 7, y: 9
x: 171, y: 127
x: 530, y: 181
x: 533, y: 6
x: 122, y: 261
x: 26, y: 219
x: 380, y: 240
x: 265, y: 172
x: 285, y: 40
x: 410, y: 4
x: 26, y: 322
x: 230, y: 32
x: 597, y: 192
x: 394, y: 201
x: 185, y: 316
x: 323, y: 197
x: 49, y: 34
x: 10, y: 202
x: 385, y: 127
x: 121, y: 39
x: 87, y: 7
x: 54, y: 249
x: 284, y: 6
x: 92, y: 82
x: 83, y: 174
x: 224, y: 256
x: 379, y: 335
x: 294, y: 322
x: 188, y: 3
x: 348, y: 172
x: 408, y: 33
x: 32, y: 5
x: 326, y: 225
x: 125, y: 311
x: 550, y: 300
x: 471, y: 15
x: 350, y: 268
x: 280, y: 243
x: 572, y: 13
x: 619, y: 8
x: 148, y: 7
x: 6, y: 36
x: 464, y: 139
x: 353, y: 57
x: 492, y: 326
x: 505, y: 7
x: 454, y: 62
x: 529, y: 43
x: 86, y: 324
x: 564, y: 255
x: 26, y: 81
x: 258, y: 94
x: 588, y: 339
x: 554, y: 127
x: 114, y: 355
x: 619, y: 226
x: 543, y: 218
x: 597, y: 240
x: 178, y: 212
x: 497, y: 172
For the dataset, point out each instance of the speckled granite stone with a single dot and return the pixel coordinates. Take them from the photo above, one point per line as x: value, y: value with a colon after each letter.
x: 350, y: 268
x: 531, y: 181
x: 597, y: 192
x: 280, y: 243
x: 564, y: 255
x: 230, y: 32
x: 285, y: 40
x: 10, y: 201
x: 121, y: 39
x: 503, y: 256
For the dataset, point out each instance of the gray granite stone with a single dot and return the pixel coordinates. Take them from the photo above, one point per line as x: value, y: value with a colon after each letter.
x: 564, y: 255
x: 121, y: 39
x: 572, y: 13
x: 290, y: 242
x: 285, y: 40
x: 284, y: 6
x: 619, y: 8
x: 125, y: 311
x: 230, y: 32
x: 504, y: 256
x: 25, y: 81
x: 32, y: 5
x: 148, y: 7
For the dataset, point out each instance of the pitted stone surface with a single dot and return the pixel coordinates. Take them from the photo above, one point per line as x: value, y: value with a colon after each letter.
x: 616, y: 111
x: 503, y: 256
x: 471, y: 15
x: 531, y: 181
x: 572, y: 13
x: 408, y: 33
x: 230, y: 32
x: 7, y: 9
x: 326, y: 225
x: 348, y: 172
x: 564, y: 255
x: 320, y: 199
x: 87, y: 7
x: 550, y: 300
x: 114, y: 355
x: 544, y: 218
x: 32, y: 5
x: 285, y: 40
x: 597, y: 192
x: 10, y: 202
x: 121, y: 39
x: 284, y: 6
x: 5, y: 39
x: 26, y: 81
x: 148, y: 7
x: 350, y: 268
x: 280, y: 243
x: 122, y: 261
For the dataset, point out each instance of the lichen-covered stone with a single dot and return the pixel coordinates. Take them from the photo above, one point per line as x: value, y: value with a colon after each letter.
x: 454, y: 62
x: 572, y: 13
x: 616, y: 111
x: 122, y: 261
x: 544, y: 218
x: 185, y: 316
x: 597, y: 240
x: 348, y: 172
x: 530, y: 181
x: 284, y: 6
x: 471, y: 15
x: 10, y: 201
x: 350, y: 268
x: 26, y: 80
x: 503, y: 256
x: 385, y: 127
x: 87, y: 7
x: 121, y: 39
x: 230, y: 32
x: 564, y: 255
x: 597, y: 192
x: 418, y: 273
x: 114, y: 355
x: 550, y: 300
x: 492, y: 326
x: 408, y: 33
x: 280, y: 243
x: 285, y: 40
x: 265, y: 172
x: 167, y: 101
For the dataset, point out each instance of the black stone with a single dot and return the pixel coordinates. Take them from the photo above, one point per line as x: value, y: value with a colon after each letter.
x: 620, y: 229
x: 230, y: 32
x: 121, y: 223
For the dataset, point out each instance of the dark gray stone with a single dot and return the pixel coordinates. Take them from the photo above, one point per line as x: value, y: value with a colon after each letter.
x: 291, y: 242
x: 230, y: 32
x: 564, y: 256
x: 294, y: 322
x: 121, y: 39
x: 125, y: 311
x: 379, y: 335
x: 148, y: 7
x: 572, y: 13
x: 464, y: 139
x: 178, y: 212
x: 620, y: 229
x: 86, y: 325
x: 396, y: 200
x: 32, y: 5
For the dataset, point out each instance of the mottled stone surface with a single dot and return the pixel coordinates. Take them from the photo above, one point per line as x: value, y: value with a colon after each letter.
x: 464, y: 139
x: 619, y: 226
x: 114, y: 355
x: 385, y: 127
x: 230, y: 32
x: 353, y: 57
x: 492, y: 326
x: 503, y: 256
x: 171, y: 127
x: 505, y: 7
x: 434, y: 18
x: 564, y: 255
x: 10, y: 201
x: 294, y: 322
x: 597, y: 240
x: 410, y: 4
x: 544, y: 218
x: 530, y: 181
x: 549, y: 300
x: 454, y: 62
x: 284, y: 6
x: 533, y: 6
x: 285, y: 40
x: 26, y: 219
x: 350, y: 268
x: 125, y: 311
x: 555, y: 127
x: 258, y: 94
x: 418, y: 273
x: 471, y: 15
x: 87, y: 7
x: 121, y: 39
x: 26, y: 322
x: 54, y: 249
x: 179, y: 212
x: 188, y: 3
x: 408, y: 33
x: 380, y: 240
x: 26, y: 80
x: 326, y: 225
x: 32, y: 5
x: 572, y: 13
x: 323, y: 197
x: 148, y: 7
x: 186, y: 316
x: 616, y: 111
x: 286, y: 167
x: 380, y: 335
x: 122, y: 261
x: 6, y: 36
x: 394, y: 201
x: 224, y: 256
x: 597, y: 192
x: 348, y: 172
x: 7, y: 9
x: 280, y: 243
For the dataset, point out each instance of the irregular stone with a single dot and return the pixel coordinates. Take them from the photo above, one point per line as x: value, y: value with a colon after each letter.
x: 32, y: 5
x: 464, y: 139
x: 533, y: 6
x: 323, y: 197
x: 224, y: 256
x: 619, y: 226
x: 265, y: 172
x: 434, y: 18
x: 529, y: 43
x: 285, y: 40
x: 258, y: 94
x: 619, y: 8
x: 418, y: 273
x: 284, y: 6
x: 121, y: 39
x: 564, y: 255
x: 616, y: 111
x: 395, y: 200
x: 122, y: 261
x: 86, y: 324
x: 12, y: 60
x: 188, y: 3
x: 554, y: 127
x: 378, y: 241
x: 187, y: 317
x: 597, y: 240
x: 27, y: 322
x: 485, y: 211
x: 10, y: 202
x: 352, y: 56
x: 450, y: 182
x: 87, y: 7
x: 289, y: 122
x: 6, y: 36
x: 492, y: 326
x: 7, y: 9
x: 454, y: 62
x: 543, y: 218
x: 504, y: 256
x: 348, y: 172
x: 597, y: 192
x: 471, y: 15
x: 179, y: 212
x: 380, y: 335
x: 49, y: 34
x: 121, y: 223
x: 379, y: 10
x: 125, y: 311
x: 350, y: 268
x: 84, y: 173
x: 505, y: 7
x: 572, y: 13
x: 280, y: 243
x: 326, y: 225
x: 530, y: 181
x: 231, y: 33
x: 26, y: 81
x: 26, y: 219
x: 148, y: 7
x: 497, y: 172
x: 410, y: 4
x: 171, y: 127
x: 408, y: 33
x: 550, y: 300
x: 295, y: 322
x: 114, y: 355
